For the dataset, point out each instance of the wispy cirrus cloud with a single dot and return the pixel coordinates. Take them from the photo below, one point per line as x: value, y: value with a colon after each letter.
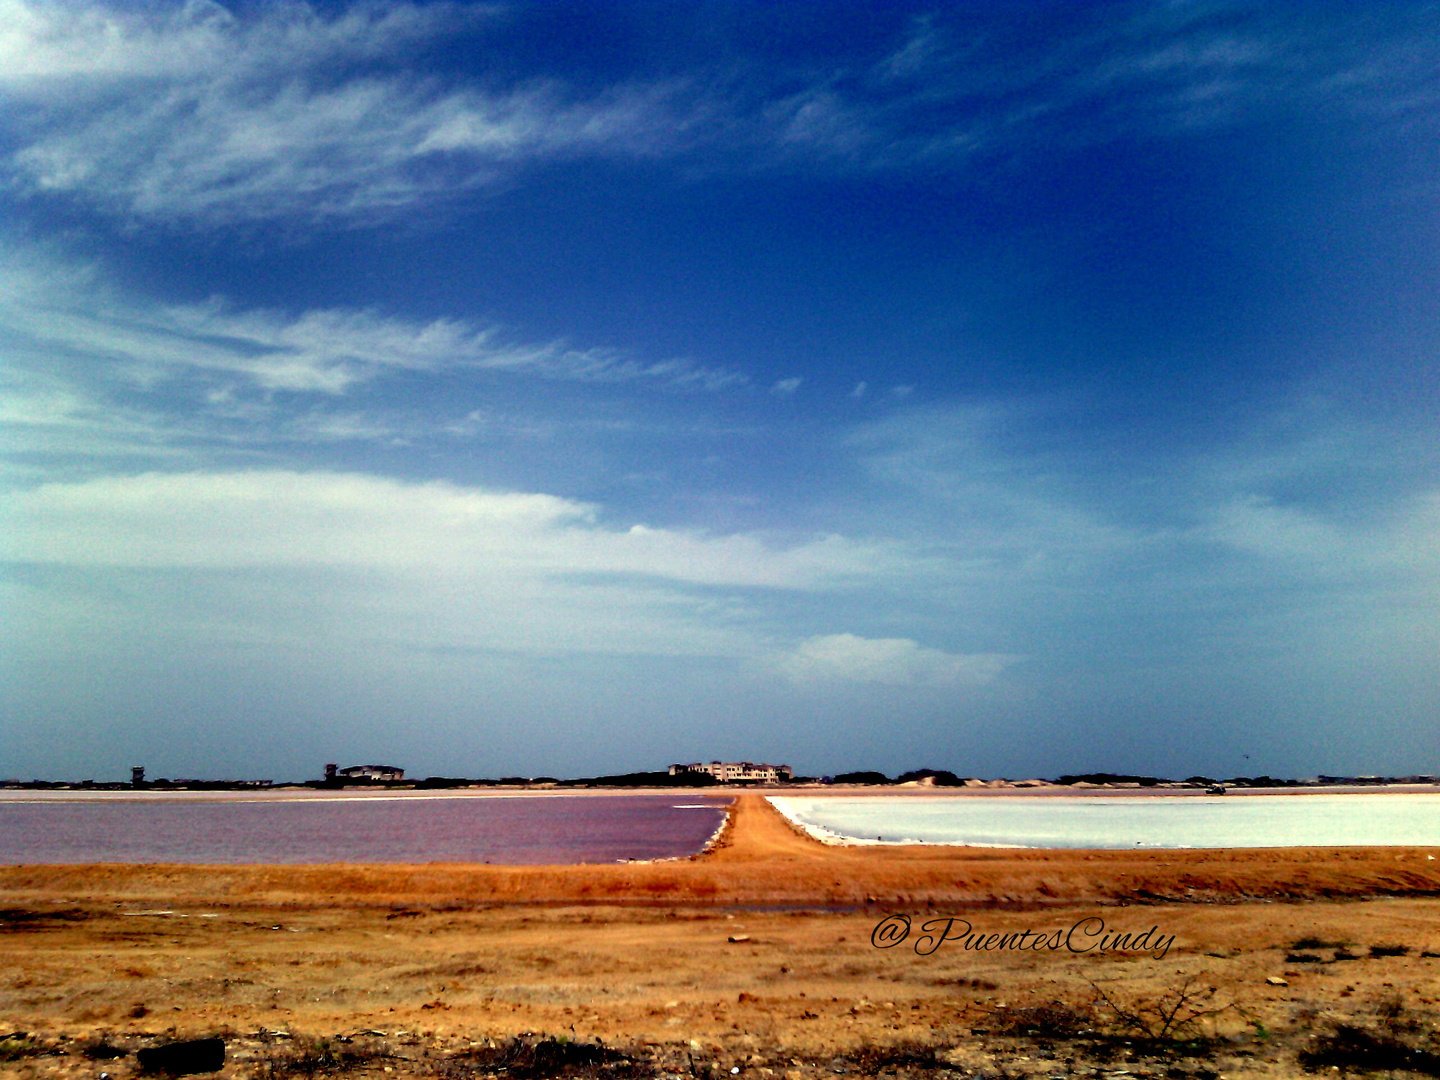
x: 1158, y: 69
x: 85, y: 357
x: 992, y: 484
x: 1308, y: 509
x: 200, y: 114
x: 329, y: 351
x: 353, y: 151
x: 96, y: 377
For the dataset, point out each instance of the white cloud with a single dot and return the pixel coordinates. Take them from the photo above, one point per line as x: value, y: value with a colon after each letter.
x: 786, y: 387
x: 1308, y: 544
x: 292, y: 519
x: 845, y: 658
x: 416, y: 565
x: 1257, y: 526
x: 43, y: 42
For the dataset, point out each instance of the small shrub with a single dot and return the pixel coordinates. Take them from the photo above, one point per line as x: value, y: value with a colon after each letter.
x: 18, y: 1046
x: 906, y: 1054
x: 1351, y: 1046
x: 102, y: 1050
x: 973, y: 983
x: 1377, y: 951
x: 1055, y: 1018
x: 1394, y: 1018
x: 1310, y: 941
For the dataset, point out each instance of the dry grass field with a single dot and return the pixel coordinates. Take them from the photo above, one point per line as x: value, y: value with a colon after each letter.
x: 757, y: 959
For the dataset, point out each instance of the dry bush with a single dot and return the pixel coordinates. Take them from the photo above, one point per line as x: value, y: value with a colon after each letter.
x: 1177, y: 1015
x: 525, y: 1058
x: 310, y: 1057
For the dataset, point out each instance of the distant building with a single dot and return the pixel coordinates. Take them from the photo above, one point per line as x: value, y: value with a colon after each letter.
x: 730, y: 771
x: 385, y: 774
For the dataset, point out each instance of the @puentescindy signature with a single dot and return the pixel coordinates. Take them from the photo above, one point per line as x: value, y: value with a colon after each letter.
x: 1086, y: 936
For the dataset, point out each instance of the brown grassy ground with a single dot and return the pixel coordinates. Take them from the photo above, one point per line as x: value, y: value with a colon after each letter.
x: 756, y: 957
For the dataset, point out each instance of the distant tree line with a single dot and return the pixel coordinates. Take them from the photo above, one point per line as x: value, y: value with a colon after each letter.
x: 663, y: 779
x: 631, y: 779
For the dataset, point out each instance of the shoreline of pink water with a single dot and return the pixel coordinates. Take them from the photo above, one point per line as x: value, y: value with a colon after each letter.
x: 511, y: 828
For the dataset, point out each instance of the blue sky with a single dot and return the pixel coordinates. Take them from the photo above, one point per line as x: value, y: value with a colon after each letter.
x: 1016, y: 389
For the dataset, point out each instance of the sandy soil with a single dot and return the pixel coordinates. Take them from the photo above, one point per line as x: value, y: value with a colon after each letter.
x: 760, y: 956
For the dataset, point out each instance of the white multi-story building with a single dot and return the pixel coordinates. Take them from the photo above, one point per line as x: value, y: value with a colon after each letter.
x: 729, y: 771
x: 388, y: 774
